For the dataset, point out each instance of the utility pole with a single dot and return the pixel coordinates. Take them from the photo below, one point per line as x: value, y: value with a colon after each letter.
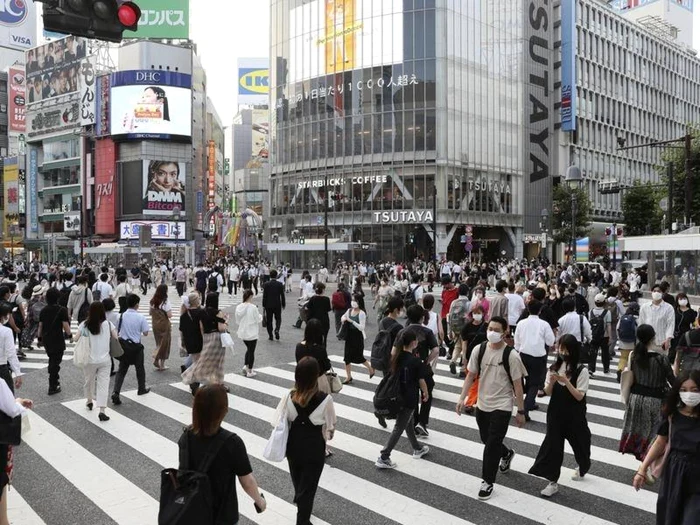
x: 325, y: 218
x: 688, y: 179
x: 669, y: 212
x: 80, y: 203
x: 435, y: 233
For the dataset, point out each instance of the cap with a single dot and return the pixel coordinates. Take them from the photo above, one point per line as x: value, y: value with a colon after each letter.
x: 600, y: 298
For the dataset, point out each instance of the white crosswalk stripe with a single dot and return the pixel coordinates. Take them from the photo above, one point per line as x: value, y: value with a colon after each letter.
x: 351, y: 490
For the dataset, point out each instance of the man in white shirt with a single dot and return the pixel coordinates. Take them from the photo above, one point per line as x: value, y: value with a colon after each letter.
x: 532, y: 337
x: 234, y: 276
x: 661, y: 316
x: 574, y: 324
x: 516, y: 306
x: 102, y: 289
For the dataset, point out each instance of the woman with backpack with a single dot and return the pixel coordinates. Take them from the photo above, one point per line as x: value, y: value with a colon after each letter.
x: 566, y: 417
x: 161, y: 313
x: 207, y: 448
x: 311, y: 418
x: 651, y: 376
x: 626, y: 335
x: 355, y: 320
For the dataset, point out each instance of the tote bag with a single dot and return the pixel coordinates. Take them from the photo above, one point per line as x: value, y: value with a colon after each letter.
x: 276, y: 448
x: 81, y: 353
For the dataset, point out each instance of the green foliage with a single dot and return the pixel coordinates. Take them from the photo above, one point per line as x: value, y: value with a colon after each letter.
x: 640, y: 210
x: 676, y: 154
x: 562, y: 213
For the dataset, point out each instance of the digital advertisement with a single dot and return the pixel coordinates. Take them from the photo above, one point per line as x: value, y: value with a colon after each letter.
x: 261, y: 133
x: 331, y: 36
x: 141, y: 103
x: 53, y: 69
x: 163, y: 187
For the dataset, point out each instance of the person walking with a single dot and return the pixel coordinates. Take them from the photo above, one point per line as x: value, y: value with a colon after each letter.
x: 600, y: 320
x: 248, y: 319
x: 340, y: 302
x: 99, y: 330
x: 319, y: 306
x: 273, y: 302
x: 312, y: 420
x: 679, y: 498
x: 79, y: 300
x: 234, y: 277
x: 412, y: 375
x: 209, y: 368
x: 355, y: 320
x: 566, y: 417
x: 121, y: 292
x: 31, y: 326
x: 314, y: 346
x: 132, y: 326
x: 54, y: 328
x: 661, y: 316
x: 685, y: 321
x: 533, y: 337
x: 161, y: 313
x: 144, y: 278
x: 228, y: 458
x: 191, y: 336
x: 652, y: 375
x: 498, y: 388
x: 180, y: 279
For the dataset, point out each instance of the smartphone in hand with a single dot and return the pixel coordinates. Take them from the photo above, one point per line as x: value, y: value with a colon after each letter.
x: 258, y: 509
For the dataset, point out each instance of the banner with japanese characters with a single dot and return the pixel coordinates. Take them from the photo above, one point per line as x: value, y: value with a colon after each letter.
x: 164, y: 19
x: 17, y: 100
x: 88, y: 110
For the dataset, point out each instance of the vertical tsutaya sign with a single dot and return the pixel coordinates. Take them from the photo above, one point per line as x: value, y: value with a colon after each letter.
x: 18, y: 100
x: 33, y: 189
x: 87, y: 91
x: 538, y: 121
x: 568, y: 65
x: 163, y: 19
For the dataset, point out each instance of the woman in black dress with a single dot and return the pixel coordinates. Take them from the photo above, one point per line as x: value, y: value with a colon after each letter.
x: 355, y: 320
x: 313, y: 346
x: 685, y: 320
x: 679, y: 493
x: 318, y: 307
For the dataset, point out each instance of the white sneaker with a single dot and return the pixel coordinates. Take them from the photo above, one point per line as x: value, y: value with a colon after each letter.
x: 576, y: 476
x: 384, y: 463
x: 417, y: 454
x: 244, y: 370
x: 251, y: 373
x: 550, y: 490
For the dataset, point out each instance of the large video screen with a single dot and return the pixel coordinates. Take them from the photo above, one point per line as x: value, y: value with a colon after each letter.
x: 151, y: 105
x: 331, y: 36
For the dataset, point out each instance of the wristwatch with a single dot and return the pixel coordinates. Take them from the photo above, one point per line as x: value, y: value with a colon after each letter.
x: 521, y: 412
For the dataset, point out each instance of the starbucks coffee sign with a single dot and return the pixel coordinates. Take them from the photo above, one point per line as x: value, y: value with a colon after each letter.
x: 407, y: 217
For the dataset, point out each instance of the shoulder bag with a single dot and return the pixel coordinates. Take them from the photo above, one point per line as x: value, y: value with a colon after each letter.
x: 81, y: 352
x: 585, y: 347
x: 626, y: 380
x: 334, y: 382
x: 276, y: 448
x: 115, y: 348
x: 10, y: 429
x: 130, y: 348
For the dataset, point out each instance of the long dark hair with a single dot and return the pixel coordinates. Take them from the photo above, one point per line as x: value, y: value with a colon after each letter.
x: 160, y: 95
x: 96, y: 316
x: 313, y: 333
x: 573, y: 346
x: 305, y: 380
x: 645, y: 335
x: 406, y: 339
x: 160, y: 296
x: 209, y: 409
x: 673, y: 399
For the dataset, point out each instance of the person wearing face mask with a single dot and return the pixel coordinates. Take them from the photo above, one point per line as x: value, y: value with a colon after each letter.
x: 662, y: 317
x: 567, y: 385
x: 499, y: 386
x: 652, y: 374
x: 685, y: 320
x: 679, y: 494
x: 473, y: 334
x: 355, y: 320
x: 479, y: 298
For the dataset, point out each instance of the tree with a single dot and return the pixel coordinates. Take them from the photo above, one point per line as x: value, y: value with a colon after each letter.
x: 676, y: 154
x: 640, y: 210
x: 562, y: 212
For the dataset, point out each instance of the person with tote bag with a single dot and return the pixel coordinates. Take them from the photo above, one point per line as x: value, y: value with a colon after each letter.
x: 248, y: 319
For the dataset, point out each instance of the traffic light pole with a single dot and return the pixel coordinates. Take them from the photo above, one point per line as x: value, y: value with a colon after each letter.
x: 325, y: 219
x: 435, y: 233
x: 82, y: 256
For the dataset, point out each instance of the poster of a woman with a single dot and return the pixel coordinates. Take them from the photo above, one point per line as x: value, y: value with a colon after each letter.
x: 151, y: 113
x: 164, y: 187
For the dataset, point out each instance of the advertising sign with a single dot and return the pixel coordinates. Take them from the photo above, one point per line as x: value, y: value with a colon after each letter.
x: 18, y: 28
x: 52, y: 69
x: 33, y: 190
x: 261, y: 134
x: 18, y: 100
x: 11, y: 192
x: 211, y: 173
x: 87, y: 92
x: 53, y: 115
x: 331, y: 36
x: 568, y: 65
x: 141, y: 102
x: 102, y: 106
x: 164, y: 230
x: 163, y: 19
x: 163, y: 187
x: 253, y: 80
x: 71, y: 222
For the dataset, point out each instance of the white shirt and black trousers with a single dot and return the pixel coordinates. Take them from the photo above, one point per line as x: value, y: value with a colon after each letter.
x: 532, y: 337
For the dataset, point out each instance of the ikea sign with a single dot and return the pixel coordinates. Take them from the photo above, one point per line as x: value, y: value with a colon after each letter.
x: 253, y: 81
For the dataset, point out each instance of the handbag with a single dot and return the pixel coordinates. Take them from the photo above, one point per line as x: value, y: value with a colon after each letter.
x: 115, y: 348
x: 226, y: 340
x: 657, y: 467
x: 81, y: 352
x: 334, y: 381
x: 626, y: 381
x: 10, y: 429
x: 343, y: 332
x: 276, y: 448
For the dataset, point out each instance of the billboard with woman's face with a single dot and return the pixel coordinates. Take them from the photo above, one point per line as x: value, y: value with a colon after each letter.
x: 163, y: 187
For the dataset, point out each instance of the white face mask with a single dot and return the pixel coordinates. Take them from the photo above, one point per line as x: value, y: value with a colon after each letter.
x: 493, y: 336
x: 478, y: 317
x: 656, y: 296
x: 683, y: 302
x: 353, y: 304
x: 690, y: 399
x: 611, y: 300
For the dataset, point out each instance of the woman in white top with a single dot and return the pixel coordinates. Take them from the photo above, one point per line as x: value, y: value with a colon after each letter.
x: 121, y: 291
x: 248, y: 319
x: 99, y: 330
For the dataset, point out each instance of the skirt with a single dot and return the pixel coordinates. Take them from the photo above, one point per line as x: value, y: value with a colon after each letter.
x: 162, y: 331
x: 640, y: 425
x: 209, y: 368
x: 679, y: 499
x: 354, y: 347
x: 29, y: 333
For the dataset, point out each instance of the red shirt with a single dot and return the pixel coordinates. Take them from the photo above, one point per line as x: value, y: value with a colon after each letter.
x: 448, y: 297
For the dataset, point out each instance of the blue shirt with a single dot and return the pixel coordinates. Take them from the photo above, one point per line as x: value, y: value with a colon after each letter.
x: 133, y: 325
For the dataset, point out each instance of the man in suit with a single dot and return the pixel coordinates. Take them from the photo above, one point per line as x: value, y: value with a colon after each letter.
x: 273, y: 301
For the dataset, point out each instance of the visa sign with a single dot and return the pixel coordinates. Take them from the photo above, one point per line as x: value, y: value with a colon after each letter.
x: 13, y: 12
x: 253, y: 81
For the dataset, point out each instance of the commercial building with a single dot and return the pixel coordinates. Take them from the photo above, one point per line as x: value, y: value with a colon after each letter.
x: 414, y: 121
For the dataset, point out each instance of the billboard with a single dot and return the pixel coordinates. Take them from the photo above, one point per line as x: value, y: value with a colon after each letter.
x: 71, y: 222
x: 568, y: 65
x: 52, y: 69
x: 163, y: 187
x: 141, y: 102
x: 331, y: 36
x: 33, y: 190
x: 18, y: 100
x: 261, y: 134
x: 18, y: 28
x: 53, y: 115
x: 163, y: 230
x: 163, y: 19
x: 253, y: 80
x: 88, y: 111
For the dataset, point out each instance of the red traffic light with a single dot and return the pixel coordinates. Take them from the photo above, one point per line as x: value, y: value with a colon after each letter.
x: 608, y: 231
x: 129, y: 14
x: 619, y: 232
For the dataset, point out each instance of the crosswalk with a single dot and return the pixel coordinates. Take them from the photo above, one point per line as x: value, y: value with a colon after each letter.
x: 111, y: 470
x: 38, y: 360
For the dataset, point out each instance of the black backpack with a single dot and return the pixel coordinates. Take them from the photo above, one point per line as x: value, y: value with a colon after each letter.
x: 64, y: 295
x: 409, y: 299
x: 213, y: 282
x: 185, y: 495
x: 598, y: 326
x: 387, y: 398
x: 381, y: 348
x: 504, y: 359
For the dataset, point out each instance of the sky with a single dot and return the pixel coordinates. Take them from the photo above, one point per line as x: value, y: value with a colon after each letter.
x: 226, y: 30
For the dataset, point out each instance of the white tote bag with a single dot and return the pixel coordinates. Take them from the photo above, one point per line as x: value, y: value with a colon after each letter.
x: 226, y: 340
x: 81, y: 352
x: 276, y: 448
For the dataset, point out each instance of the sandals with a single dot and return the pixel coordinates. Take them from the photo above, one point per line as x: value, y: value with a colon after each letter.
x: 328, y: 453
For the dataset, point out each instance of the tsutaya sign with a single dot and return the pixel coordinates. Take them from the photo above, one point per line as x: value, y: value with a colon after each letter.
x: 489, y: 185
x: 339, y: 181
x: 410, y: 217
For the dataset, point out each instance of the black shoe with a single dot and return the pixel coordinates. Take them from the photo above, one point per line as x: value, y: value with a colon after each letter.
x: 381, y: 419
x: 462, y: 374
x: 504, y: 466
x: 535, y: 408
x: 277, y: 336
x: 143, y: 392
x: 270, y: 338
x: 103, y: 417
x: 527, y: 418
x: 453, y: 368
x: 55, y: 390
x: 182, y: 369
x: 21, y: 355
x: 194, y: 387
x: 116, y: 400
x: 89, y: 405
x: 486, y: 491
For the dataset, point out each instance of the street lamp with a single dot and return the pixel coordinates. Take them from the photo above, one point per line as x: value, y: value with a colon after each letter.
x: 573, y: 179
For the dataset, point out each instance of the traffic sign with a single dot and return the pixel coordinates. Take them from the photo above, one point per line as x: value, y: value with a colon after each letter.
x: 663, y: 204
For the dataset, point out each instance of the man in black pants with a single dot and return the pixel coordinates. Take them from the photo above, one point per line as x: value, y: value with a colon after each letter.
x: 132, y: 325
x: 273, y: 301
x: 53, y: 324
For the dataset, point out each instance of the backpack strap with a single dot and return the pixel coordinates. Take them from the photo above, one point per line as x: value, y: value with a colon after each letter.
x: 580, y: 319
x: 482, y: 351
x: 506, y: 362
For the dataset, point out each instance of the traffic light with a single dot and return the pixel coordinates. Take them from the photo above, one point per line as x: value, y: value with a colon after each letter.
x: 608, y: 232
x: 98, y: 19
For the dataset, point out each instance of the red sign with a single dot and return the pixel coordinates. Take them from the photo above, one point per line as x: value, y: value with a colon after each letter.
x: 105, y: 187
x: 212, y: 173
x: 18, y: 100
